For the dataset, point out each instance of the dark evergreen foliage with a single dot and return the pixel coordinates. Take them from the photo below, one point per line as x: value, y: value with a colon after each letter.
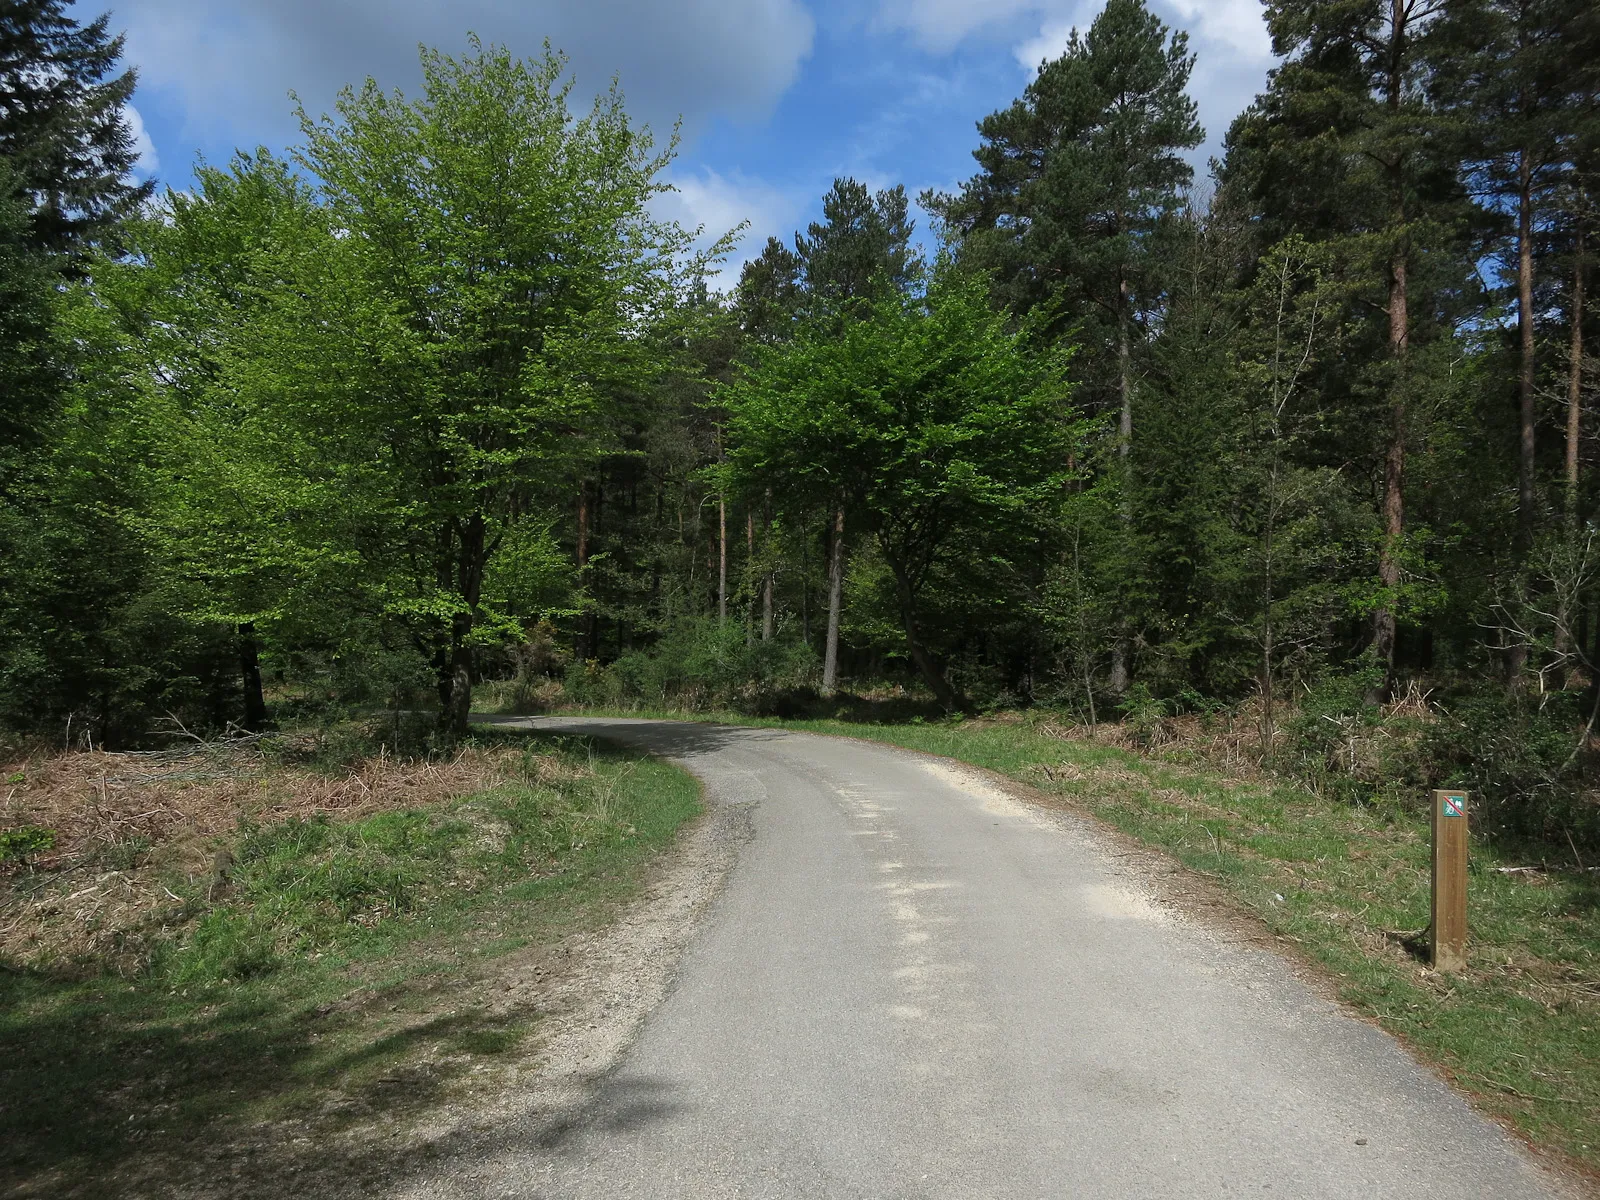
x: 63, y: 129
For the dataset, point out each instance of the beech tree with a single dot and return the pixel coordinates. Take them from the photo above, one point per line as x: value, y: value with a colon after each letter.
x: 928, y: 418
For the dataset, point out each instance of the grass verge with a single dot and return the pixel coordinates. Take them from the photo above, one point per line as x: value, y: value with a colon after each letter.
x: 1520, y: 1030
x: 345, y: 967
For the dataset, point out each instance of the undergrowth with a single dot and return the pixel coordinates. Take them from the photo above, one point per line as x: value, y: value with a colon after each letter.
x: 334, y: 970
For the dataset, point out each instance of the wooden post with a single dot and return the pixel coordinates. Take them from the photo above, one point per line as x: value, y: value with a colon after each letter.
x: 1449, y: 881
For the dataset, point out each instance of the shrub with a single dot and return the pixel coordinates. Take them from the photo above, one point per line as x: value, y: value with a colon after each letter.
x: 1516, y: 752
x: 702, y: 664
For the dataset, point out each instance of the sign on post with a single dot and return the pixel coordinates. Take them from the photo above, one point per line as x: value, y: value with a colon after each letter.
x: 1449, y: 881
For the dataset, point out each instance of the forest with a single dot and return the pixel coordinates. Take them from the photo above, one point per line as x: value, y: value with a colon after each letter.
x: 436, y: 412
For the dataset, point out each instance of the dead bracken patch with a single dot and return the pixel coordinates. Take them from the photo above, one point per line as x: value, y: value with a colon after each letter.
x: 124, y: 825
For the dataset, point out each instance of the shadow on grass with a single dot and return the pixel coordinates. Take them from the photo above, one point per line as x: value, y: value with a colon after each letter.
x: 94, y: 1072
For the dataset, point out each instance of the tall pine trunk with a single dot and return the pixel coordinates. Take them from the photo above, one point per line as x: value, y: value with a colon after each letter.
x: 1575, y: 385
x: 1394, y: 459
x: 1564, y: 641
x: 1117, y: 683
x: 1525, y: 344
x: 1517, y: 653
x: 830, y: 655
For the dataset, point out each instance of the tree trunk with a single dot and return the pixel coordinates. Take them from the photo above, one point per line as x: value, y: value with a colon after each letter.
x: 921, y: 657
x: 1575, y: 387
x: 459, y: 707
x: 1267, y: 645
x: 255, y: 702
x: 1117, y: 682
x: 722, y: 559
x: 1394, y: 473
x: 830, y: 656
x: 1517, y: 654
x: 1525, y: 331
x: 584, y: 650
x: 1394, y: 460
x: 1564, y: 643
x: 469, y: 581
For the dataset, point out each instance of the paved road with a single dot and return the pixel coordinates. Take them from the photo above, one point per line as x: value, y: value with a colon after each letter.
x: 914, y: 986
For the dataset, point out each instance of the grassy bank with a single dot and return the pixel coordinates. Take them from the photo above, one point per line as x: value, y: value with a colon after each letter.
x: 1349, y: 886
x: 333, y: 966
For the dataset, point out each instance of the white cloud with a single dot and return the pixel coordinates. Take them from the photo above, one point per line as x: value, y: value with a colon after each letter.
x: 1235, y: 25
x: 1051, y: 39
x: 1228, y: 37
x: 718, y: 203
x: 149, y: 162
x: 939, y: 26
x: 230, y: 66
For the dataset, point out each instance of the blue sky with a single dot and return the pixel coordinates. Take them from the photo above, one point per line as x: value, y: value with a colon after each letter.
x: 777, y: 97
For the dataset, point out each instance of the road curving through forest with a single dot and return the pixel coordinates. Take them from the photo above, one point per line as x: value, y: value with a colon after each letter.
x: 914, y: 984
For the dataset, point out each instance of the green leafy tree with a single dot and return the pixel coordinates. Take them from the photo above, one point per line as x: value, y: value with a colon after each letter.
x: 859, y: 252
x: 505, y: 249
x: 929, y: 417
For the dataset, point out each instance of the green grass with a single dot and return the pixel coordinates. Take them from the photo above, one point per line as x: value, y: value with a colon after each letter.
x: 340, y: 958
x: 1349, y: 885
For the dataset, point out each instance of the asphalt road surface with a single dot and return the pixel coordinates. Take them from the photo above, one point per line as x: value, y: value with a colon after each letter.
x: 913, y: 985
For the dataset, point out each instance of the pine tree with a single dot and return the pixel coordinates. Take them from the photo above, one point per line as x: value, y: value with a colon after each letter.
x: 1342, y: 147
x: 63, y: 129
x: 1504, y: 70
x: 860, y: 249
x: 1081, y: 179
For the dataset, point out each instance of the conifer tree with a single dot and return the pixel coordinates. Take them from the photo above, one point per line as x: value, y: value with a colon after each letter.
x: 1080, y: 180
x: 64, y: 131
x: 1507, y: 73
x: 1342, y: 146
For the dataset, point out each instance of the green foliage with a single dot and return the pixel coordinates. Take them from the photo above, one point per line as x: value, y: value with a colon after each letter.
x: 16, y: 845
x: 1518, y: 755
x: 701, y: 665
x: 1081, y: 175
x: 926, y: 420
x: 303, y: 887
x: 65, y: 141
x: 436, y: 402
x: 1143, y: 714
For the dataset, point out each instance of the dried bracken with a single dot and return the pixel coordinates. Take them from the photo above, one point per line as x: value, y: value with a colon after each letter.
x: 128, y: 827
